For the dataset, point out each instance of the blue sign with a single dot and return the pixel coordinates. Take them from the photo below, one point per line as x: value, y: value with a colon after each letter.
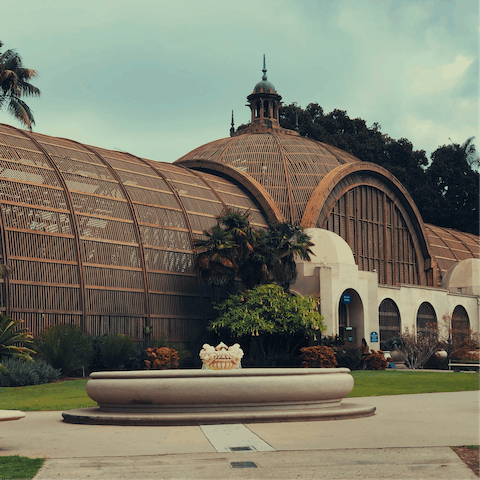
x: 373, y: 337
x: 346, y: 298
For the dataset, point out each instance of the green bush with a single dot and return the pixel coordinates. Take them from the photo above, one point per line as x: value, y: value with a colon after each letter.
x: 350, y: 358
x: 18, y: 373
x: 65, y: 347
x: 112, y: 352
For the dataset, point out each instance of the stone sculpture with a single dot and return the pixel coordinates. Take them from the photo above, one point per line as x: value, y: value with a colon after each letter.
x: 221, y: 357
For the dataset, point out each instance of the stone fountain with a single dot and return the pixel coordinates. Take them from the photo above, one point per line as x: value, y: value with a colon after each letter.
x: 221, y: 392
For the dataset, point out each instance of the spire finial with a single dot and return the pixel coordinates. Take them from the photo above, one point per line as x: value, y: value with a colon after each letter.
x: 232, y: 128
x: 264, y: 76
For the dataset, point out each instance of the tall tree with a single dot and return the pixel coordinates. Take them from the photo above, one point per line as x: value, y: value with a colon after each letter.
x: 15, y: 83
x: 452, y: 185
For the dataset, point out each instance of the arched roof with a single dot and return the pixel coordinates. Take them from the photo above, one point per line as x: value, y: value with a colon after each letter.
x: 104, y: 238
x: 451, y: 246
x: 289, y: 167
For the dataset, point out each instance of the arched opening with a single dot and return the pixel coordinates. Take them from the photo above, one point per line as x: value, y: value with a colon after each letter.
x: 425, y: 316
x: 266, y: 109
x: 389, y: 321
x: 275, y: 111
x: 257, y: 109
x: 350, y: 317
x: 460, y: 325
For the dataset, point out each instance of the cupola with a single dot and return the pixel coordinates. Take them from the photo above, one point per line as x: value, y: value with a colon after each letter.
x: 264, y: 102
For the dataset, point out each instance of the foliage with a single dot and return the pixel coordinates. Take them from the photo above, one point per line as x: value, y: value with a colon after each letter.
x: 269, y: 311
x: 350, y: 357
x: 318, y: 356
x: 15, y: 466
x: 163, y: 358
x: 232, y: 248
x: 11, y: 336
x: 112, y: 352
x: 417, y: 349
x: 376, y: 360
x: 66, y: 347
x: 445, y: 191
x: 18, y: 373
x: 182, y: 351
x: 393, y: 343
x: 331, y: 341
x: 457, y: 339
x: 14, y: 83
x: 452, y: 188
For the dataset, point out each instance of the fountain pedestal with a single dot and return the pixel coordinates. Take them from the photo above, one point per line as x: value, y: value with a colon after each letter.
x: 193, y: 397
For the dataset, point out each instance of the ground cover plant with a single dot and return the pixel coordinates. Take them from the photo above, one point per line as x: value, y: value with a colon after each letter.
x: 15, y: 466
x: 71, y: 394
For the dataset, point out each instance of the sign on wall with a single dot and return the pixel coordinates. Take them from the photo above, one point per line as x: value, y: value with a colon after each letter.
x: 373, y: 337
x: 346, y: 298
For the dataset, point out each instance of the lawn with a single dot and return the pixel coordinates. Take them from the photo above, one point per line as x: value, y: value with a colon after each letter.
x: 71, y: 394
x: 18, y: 467
x: 370, y: 383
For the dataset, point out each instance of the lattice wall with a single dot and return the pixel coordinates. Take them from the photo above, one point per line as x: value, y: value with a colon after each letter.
x: 103, y: 239
x: 370, y: 222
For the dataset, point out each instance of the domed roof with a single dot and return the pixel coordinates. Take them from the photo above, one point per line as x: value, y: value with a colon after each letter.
x: 264, y: 87
x: 288, y: 166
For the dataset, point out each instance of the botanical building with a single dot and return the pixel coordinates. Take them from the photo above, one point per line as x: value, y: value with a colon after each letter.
x: 104, y: 239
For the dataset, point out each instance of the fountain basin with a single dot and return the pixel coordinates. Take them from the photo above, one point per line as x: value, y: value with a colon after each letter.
x: 192, y: 397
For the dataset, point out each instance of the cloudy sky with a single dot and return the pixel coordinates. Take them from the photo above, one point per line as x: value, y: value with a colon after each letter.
x: 158, y: 78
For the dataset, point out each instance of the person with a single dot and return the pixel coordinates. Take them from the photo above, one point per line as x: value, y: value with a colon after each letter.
x: 364, y: 348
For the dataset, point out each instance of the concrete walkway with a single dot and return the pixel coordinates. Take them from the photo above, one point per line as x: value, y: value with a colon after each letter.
x: 408, y: 438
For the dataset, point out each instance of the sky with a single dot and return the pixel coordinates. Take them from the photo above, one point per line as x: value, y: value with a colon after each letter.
x: 158, y: 78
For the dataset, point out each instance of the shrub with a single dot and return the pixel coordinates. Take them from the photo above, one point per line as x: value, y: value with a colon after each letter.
x: 163, y: 358
x: 376, y: 360
x: 66, y: 347
x: 112, y: 352
x: 182, y: 350
x: 318, y: 356
x: 11, y: 336
x: 18, y: 373
x: 349, y: 357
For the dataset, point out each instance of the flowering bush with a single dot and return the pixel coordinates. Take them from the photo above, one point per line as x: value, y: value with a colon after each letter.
x: 376, y: 360
x: 162, y: 358
x: 318, y: 356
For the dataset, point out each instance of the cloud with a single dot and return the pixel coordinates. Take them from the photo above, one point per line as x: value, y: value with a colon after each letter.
x: 438, y: 79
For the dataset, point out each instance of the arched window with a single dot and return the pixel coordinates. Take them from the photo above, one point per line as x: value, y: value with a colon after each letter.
x: 425, y: 316
x: 460, y: 324
x: 389, y: 321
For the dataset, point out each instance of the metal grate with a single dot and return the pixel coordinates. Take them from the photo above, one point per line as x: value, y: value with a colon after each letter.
x: 240, y: 449
x: 243, y: 465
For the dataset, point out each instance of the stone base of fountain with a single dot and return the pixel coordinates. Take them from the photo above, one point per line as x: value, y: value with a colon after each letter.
x: 194, y: 397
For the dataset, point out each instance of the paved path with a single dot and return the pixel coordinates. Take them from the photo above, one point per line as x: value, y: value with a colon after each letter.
x: 408, y: 438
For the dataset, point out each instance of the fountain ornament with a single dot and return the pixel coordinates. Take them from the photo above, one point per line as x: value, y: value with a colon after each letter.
x: 221, y: 357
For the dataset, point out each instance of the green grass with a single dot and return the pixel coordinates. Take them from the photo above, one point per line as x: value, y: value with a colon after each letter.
x: 19, y: 467
x: 49, y: 396
x: 71, y: 394
x: 383, y: 382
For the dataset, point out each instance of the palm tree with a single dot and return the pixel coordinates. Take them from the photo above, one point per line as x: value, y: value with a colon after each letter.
x: 284, y: 242
x: 216, y: 259
x: 14, y: 82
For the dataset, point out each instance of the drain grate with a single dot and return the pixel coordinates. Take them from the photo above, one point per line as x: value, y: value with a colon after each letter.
x: 240, y: 449
x: 243, y: 465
